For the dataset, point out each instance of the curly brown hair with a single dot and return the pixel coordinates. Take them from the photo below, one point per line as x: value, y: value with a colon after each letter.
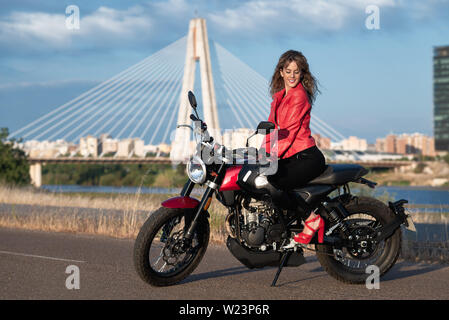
x: 309, y: 82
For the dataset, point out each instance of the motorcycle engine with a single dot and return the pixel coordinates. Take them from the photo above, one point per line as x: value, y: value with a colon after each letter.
x: 259, y: 229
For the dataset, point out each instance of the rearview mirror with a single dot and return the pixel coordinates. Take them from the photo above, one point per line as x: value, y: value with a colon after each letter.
x: 265, y: 125
x: 192, y: 100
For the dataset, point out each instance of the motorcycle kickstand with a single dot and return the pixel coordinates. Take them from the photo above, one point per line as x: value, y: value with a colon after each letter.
x: 284, y: 259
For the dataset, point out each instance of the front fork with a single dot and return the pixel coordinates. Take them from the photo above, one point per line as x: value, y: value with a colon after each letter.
x: 212, y: 185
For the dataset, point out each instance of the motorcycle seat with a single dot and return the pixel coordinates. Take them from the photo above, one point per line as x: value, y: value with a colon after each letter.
x: 340, y: 174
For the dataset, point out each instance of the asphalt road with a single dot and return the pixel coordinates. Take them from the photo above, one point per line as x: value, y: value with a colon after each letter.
x: 33, y: 265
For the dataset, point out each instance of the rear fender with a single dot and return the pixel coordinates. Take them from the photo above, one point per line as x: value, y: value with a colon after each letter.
x: 399, y: 218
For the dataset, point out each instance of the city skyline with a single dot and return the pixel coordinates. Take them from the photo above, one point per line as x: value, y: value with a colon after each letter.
x: 106, y: 146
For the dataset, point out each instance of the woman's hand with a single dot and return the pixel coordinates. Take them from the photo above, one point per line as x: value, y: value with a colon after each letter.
x: 263, y: 155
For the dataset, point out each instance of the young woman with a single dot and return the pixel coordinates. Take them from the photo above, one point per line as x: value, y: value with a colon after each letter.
x: 294, y: 90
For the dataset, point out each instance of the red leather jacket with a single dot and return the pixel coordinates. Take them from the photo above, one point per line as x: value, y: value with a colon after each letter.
x: 291, y: 115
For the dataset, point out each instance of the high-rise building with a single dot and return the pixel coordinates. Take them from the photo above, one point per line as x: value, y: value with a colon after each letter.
x: 109, y: 146
x: 138, y: 147
x: 390, y: 143
x: 441, y: 97
x: 354, y: 143
x: 89, y: 146
x: 124, y: 148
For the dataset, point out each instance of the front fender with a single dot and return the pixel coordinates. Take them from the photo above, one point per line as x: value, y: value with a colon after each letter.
x: 181, y: 203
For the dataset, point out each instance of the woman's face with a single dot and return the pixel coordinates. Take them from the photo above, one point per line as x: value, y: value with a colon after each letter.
x: 291, y: 75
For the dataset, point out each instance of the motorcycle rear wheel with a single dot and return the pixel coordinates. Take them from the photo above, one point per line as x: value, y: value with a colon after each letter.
x: 347, y: 265
x: 159, y: 258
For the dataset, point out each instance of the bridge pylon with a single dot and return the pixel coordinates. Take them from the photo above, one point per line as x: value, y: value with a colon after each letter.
x: 197, y: 51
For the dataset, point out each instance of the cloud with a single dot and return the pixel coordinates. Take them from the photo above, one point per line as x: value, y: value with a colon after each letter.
x: 153, y: 22
x: 121, y: 23
x: 282, y: 18
x: 26, y: 27
x: 292, y: 15
x: 105, y: 25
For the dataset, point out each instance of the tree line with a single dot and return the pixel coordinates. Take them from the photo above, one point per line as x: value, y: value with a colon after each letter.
x: 14, y: 167
x: 14, y: 170
x: 147, y: 175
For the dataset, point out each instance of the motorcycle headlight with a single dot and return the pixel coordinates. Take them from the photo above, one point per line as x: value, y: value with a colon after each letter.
x: 196, y: 170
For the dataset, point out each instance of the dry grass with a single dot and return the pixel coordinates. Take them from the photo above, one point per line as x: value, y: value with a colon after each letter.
x: 123, y: 226
x: 60, y: 219
x: 67, y: 213
x: 126, y: 202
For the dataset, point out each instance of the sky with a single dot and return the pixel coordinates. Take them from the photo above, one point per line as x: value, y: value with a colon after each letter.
x: 373, y: 81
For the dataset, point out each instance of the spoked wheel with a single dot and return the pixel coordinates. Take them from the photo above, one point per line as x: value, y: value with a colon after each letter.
x: 367, y: 215
x: 161, y: 256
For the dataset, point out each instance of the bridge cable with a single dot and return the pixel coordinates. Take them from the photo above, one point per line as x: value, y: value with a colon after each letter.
x: 122, y: 93
x: 154, y: 116
x: 89, y: 94
x: 123, y: 89
x: 161, y: 82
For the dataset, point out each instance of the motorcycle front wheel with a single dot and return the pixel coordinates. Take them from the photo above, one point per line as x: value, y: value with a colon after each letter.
x: 160, y: 256
x: 350, y: 265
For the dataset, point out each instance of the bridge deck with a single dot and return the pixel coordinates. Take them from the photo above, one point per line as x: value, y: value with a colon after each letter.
x: 162, y: 160
x: 166, y: 160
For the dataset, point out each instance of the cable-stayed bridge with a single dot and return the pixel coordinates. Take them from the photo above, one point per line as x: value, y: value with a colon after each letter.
x: 149, y: 99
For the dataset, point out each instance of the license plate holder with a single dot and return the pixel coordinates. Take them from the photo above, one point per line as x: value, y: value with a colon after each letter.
x: 410, y: 225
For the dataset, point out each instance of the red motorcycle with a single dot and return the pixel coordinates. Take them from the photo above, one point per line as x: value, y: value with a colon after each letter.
x: 262, y: 219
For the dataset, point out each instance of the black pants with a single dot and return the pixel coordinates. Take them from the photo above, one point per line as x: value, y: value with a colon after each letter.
x: 299, y: 169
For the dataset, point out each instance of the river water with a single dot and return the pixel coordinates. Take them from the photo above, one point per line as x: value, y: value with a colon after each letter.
x: 418, y: 195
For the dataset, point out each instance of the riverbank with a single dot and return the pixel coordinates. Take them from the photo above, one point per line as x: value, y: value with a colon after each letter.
x: 426, y: 173
x: 122, y: 215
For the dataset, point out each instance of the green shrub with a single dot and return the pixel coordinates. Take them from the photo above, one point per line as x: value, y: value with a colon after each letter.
x: 14, y: 167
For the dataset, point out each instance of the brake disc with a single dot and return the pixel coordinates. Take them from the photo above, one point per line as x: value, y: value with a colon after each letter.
x: 362, y: 236
x: 173, y: 248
